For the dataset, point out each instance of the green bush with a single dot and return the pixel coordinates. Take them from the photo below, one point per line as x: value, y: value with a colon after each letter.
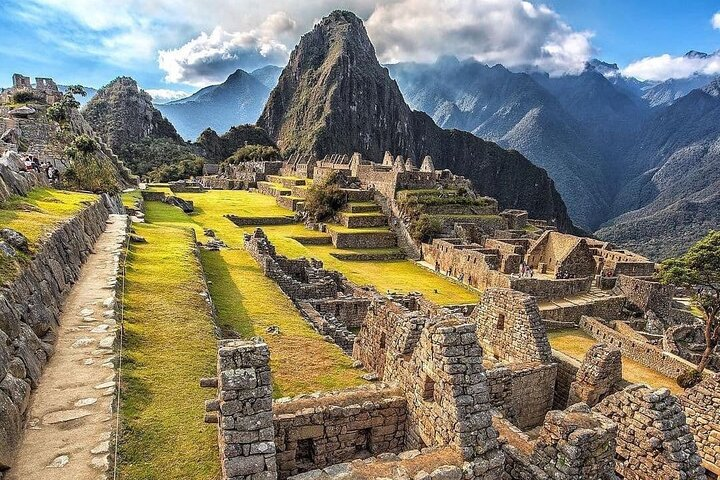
x: 88, y: 169
x: 24, y: 96
x: 324, y: 199
x: 254, y: 153
x: 190, y: 167
x: 426, y: 228
x: 60, y: 110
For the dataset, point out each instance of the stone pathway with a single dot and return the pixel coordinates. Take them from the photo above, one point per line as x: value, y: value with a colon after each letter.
x: 71, y: 419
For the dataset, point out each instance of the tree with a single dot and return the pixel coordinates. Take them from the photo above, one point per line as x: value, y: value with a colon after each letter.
x: 324, y: 198
x: 699, y: 269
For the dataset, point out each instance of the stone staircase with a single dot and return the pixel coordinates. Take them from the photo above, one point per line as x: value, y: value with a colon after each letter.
x: 362, y: 223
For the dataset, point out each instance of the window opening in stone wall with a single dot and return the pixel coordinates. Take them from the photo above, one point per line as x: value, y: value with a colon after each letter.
x: 304, y: 454
x: 428, y: 393
x: 501, y: 321
x: 382, y: 340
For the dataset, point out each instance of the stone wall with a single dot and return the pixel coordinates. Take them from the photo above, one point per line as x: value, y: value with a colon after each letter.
x: 336, y: 427
x: 567, y: 368
x: 30, y: 310
x: 363, y: 240
x: 509, y: 326
x: 642, y: 352
x: 576, y: 444
x: 566, y: 315
x: 644, y: 294
x: 531, y: 393
x: 448, y: 397
x: 654, y: 440
x: 702, y: 409
x: 599, y: 375
x: 350, y: 312
x: 244, y: 411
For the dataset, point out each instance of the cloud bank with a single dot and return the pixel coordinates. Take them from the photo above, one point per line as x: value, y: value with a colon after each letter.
x: 162, y: 95
x: 664, y: 67
x: 211, y: 58
x: 511, y: 32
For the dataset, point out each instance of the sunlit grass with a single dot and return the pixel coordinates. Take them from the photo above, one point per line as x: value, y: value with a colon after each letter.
x: 169, y: 345
x: 41, y: 211
x: 575, y: 343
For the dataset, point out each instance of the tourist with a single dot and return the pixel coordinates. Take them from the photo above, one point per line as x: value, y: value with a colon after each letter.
x: 437, y: 266
x: 28, y: 164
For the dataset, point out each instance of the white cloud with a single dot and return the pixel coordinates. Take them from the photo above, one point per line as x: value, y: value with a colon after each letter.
x: 162, y: 95
x: 716, y: 21
x: 665, y: 66
x: 511, y: 32
x: 210, y: 58
x: 127, y: 32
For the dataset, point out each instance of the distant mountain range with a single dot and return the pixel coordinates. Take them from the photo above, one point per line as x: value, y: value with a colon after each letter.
x: 238, y: 100
x: 634, y: 160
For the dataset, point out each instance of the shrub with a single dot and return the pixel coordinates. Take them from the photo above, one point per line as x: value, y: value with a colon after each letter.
x: 160, y: 157
x: 88, y: 169
x: 324, y: 199
x: 24, y: 96
x: 426, y: 228
x: 186, y: 168
x: 60, y: 110
x: 689, y: 378
x: 254, y: 153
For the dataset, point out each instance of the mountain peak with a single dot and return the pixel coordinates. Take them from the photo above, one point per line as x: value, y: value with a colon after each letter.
x: 603, y: 68
x: 696, y: 54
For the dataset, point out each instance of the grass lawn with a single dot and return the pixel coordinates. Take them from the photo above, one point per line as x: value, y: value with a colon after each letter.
x: 129, y: 198
x: 248, y: 303
x: 169, y: 345
x: 398, y: 275
x: 575, y: 343
x: 36, y: 215
x: 41, y: 211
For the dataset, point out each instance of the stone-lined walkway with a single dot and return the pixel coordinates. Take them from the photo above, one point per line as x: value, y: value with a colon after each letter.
x: 70, y: 419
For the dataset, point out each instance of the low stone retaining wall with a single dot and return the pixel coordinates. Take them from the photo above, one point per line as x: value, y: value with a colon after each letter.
x: 368, y: 257
x: 363, y: 240
x: 295, y: 204
x: 364, y: 220
x: 551, y: 288
x: 642, y: 352
x: 570, y: 315
x: 30, y: 310
x: 252, y: 221
x: 324, y: 240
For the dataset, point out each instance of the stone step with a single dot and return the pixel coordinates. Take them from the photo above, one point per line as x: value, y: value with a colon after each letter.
x: 272, y: 189
x: 363, y: 220
x: 362, y: 207
x: 296, y: 204
x: 287, y: 182
x: 358, y: 195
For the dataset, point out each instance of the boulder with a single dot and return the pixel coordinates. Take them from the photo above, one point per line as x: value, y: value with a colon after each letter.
x: 15, y: 239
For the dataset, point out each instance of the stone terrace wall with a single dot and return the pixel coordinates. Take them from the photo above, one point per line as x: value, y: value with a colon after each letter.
x: 30, y: 309
x: 544, y: 288
x: 654, y: 440
x: 642, y: 352
x: 645, y: 294
x: 531, y: 393
x: 479, y: 267
x: 509, y: 325
x: 336, y: 427
x: 702, y: 408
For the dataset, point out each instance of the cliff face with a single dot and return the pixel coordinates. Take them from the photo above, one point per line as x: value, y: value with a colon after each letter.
x: 122, y: 113
x: 335, y: 97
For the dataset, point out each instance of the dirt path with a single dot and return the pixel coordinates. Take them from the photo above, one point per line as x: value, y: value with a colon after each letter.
x: 70, y: 419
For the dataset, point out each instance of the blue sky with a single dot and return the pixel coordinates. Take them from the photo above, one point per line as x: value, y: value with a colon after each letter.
x: 174, y: 47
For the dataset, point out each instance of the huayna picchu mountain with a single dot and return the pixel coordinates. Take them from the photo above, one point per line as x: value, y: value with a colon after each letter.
x: 335, y: 97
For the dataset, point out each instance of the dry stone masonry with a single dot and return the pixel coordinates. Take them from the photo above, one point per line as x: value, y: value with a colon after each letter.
x: 599, y: 375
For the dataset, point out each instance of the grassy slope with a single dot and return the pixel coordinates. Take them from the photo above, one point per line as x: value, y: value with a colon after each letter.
x: 35, y: 216
x: 248, y: 302
x: 397, y: 276
x: 41, y: 211
x: 169, y: 345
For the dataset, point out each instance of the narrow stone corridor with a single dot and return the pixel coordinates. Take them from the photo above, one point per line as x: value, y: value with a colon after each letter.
x: 70, y: 419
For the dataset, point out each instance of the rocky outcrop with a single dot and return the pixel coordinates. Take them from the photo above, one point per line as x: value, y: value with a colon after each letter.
x: 217, y: 148
x: 122, y: 113
x: 16, y: 182
x: 335, y: 97
x: 30, y: 309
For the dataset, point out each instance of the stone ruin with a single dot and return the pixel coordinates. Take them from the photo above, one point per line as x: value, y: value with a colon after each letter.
x: 45, y: 89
